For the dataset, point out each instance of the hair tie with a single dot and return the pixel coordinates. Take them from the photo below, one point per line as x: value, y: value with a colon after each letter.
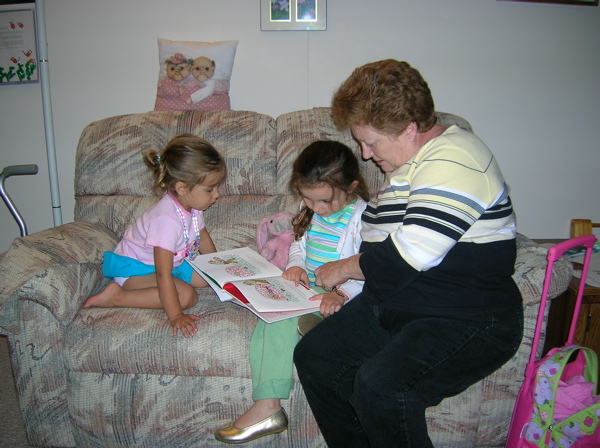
x: 158, y: 159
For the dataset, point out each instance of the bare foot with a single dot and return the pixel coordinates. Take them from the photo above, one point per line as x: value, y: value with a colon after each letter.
x: 260, y: 410
x: 106, y: 298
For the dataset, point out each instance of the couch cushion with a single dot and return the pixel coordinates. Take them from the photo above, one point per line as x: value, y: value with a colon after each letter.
x: 40, y: 267
x: 185, y: 91
x: 131, y: 341
x: 530, y: 271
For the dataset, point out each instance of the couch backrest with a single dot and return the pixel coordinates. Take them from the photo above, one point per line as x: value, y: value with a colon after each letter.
x: 113, y: 185
x: 296, y: 129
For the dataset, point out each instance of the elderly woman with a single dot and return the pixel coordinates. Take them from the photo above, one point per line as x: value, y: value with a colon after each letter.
x: 439, y: 310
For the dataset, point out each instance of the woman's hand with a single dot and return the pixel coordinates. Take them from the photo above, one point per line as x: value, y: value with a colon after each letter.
x: 331, y: 302
x: 186, y: 323
x: 334, y: 273
x: 296, y: 274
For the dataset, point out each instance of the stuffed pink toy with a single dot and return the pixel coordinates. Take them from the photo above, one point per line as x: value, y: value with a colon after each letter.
x: 278, y: 227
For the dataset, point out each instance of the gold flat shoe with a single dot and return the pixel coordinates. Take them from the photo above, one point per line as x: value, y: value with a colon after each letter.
x: 274, y: 424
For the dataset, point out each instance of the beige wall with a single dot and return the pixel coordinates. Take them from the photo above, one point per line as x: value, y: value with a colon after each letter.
x: 524, y: 74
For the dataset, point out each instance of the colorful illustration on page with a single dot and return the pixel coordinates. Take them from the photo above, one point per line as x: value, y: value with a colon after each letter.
x: 236, y: 266
x: 271, y: 290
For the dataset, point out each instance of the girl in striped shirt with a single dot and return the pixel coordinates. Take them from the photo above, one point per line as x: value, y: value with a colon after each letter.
x: 327, y: 178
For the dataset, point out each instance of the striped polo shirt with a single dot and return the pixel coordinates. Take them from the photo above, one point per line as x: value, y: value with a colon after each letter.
x: 451, y: 190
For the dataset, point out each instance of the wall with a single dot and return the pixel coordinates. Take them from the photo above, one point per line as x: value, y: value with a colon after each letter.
x: 524, y: 74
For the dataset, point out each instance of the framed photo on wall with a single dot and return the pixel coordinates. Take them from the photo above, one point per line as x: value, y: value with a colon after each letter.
x: 560, y: 2
x: 18, y: 44
x: 293, y: 15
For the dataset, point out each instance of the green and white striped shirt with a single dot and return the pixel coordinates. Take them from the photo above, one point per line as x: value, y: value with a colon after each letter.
x: 323, y: 236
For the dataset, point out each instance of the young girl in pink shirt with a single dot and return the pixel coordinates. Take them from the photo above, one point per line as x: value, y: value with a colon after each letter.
x: 148, y: 265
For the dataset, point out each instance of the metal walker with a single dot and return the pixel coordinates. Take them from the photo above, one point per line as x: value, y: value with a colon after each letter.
x: 15, y: 170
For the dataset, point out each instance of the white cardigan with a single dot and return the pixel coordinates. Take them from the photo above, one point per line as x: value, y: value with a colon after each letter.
x: 348, y: 245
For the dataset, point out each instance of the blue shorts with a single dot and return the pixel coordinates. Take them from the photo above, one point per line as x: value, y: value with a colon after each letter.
x: 122, y: 267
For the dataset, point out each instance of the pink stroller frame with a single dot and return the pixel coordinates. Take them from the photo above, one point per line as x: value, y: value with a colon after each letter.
x: 533, y: 424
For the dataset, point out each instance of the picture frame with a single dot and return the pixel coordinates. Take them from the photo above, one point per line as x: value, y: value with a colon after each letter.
x: 18, y: 44
x: 559, y: 2
x: 293, y: 15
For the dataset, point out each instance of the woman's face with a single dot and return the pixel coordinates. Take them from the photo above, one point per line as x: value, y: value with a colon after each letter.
x: 387, y: 151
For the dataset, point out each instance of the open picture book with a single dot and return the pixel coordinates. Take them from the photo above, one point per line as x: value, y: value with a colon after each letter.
x: 246, y: 278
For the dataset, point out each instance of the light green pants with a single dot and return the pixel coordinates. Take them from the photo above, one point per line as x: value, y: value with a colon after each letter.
x: 272, y: 358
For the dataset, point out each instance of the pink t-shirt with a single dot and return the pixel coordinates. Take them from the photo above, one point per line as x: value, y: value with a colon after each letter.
x: 159, y: 226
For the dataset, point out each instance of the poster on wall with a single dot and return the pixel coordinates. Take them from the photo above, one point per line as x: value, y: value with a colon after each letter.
x: 18, y: 45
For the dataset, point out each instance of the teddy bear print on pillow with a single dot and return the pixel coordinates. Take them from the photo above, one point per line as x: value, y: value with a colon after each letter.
x: 194, y: 75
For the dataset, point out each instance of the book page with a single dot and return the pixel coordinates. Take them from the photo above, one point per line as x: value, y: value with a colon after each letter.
x: 235, y: 264
x: 275, y: 294
x: 273, y: 316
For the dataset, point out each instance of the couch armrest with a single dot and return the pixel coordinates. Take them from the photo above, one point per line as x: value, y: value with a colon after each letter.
x: 530, y: 270
x: 57, y: 268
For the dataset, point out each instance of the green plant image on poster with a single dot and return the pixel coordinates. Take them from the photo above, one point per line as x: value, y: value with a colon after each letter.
x: 18, y: 50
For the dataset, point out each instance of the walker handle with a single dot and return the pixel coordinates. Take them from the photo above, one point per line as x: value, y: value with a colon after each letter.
x: 15, y: 170
x: 18, y: 170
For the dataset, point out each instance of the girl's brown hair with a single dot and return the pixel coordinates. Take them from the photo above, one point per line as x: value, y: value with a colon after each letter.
x: 325, y: 162
x: 186, y: 158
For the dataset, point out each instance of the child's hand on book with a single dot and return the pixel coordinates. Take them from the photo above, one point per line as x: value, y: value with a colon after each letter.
x: 186, y: 323
x: 297, y: 275
x: 331, y: 302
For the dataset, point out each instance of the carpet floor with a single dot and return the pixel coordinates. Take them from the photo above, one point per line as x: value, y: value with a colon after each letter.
x: 12, y: 431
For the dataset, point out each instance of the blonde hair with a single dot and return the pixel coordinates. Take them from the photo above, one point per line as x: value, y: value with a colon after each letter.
x: 186, y: 158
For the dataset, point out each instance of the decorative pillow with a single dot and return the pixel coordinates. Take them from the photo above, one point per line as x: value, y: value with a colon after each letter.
x: 194, y: 75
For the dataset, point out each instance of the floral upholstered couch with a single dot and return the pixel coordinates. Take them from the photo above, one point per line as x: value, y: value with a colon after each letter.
x: 117, y: 377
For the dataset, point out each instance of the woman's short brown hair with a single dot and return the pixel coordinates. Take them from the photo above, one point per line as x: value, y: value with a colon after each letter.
x: 387, y: 95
